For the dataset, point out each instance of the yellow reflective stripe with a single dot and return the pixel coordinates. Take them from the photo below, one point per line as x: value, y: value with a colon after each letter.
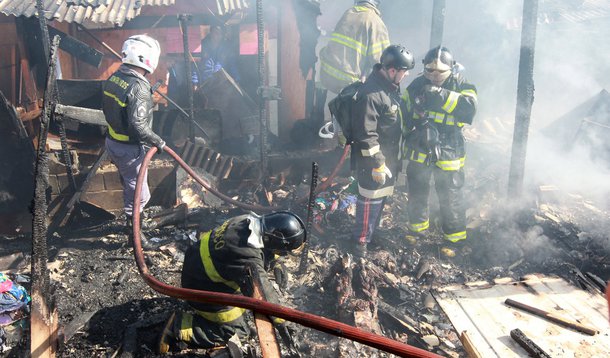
x: 438, y: 117
x: 208, y: 264
x: 222, y: 316
x: 117, y: 136
x: 418, y: 157
x: 378, y: 47
x: 452, y: 101
x: 277, y: 320
x: 370, y: 152
x: 469, y: 92
x: 186, y: 327
x: 450, y: 120
x: 458, y: 236
x: 338, y: 74
x: 349, y: 42
x: 419, y: 227
x: 122, y: 104
x: 374, y: 194
x: 361, y: 8
x: 451, y: 165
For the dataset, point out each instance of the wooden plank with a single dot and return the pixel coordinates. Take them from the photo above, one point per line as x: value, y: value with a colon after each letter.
x: 488, y: 320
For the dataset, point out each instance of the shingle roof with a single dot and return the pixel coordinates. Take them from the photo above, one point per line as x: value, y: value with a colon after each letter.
x: 97, y: 11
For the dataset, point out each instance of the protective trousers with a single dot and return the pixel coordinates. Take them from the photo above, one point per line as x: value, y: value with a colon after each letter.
x: 451, y: 199
x: 368, y: 215
x: 128, y: 159
x: 197, y: 331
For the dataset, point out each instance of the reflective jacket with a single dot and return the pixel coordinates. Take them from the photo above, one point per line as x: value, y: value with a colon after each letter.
x: 217, y: 263
x: 376, y: 131
x: 354, y: 47
x: 433, y: 128
x: 128, y: 108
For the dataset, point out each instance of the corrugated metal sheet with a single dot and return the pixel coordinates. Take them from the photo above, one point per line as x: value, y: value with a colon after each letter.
x: 574, y: 11
x: 97, y: 11
x: 228, y: 6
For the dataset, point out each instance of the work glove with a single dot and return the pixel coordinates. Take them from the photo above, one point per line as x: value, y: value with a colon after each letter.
x: 432, y: 95
x: 379, y: 174
x: 160, y: 145
x: 293, y: 347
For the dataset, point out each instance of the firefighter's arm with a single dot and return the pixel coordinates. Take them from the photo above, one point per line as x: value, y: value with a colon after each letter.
x: 139, y: 113
x: 462, y: 104
x: 364, y: 127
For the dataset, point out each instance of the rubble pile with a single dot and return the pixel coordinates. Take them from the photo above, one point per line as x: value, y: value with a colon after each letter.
x: 108, y: 310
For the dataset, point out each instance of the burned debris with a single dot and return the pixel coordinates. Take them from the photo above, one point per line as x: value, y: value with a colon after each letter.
x: 238, y: 108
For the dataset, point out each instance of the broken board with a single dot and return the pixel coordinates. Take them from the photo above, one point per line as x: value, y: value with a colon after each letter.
x: 481, y: 312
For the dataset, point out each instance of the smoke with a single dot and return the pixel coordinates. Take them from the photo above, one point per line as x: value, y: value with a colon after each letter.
x: 485, y: 37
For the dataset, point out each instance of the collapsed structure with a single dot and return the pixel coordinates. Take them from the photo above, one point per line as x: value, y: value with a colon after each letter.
x: 254, y: 140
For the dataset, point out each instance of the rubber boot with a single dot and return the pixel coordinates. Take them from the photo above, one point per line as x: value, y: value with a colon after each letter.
x: 146, y: 245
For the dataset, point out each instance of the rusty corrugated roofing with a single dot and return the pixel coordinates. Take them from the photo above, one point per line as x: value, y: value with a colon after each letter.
x: 97, y: 11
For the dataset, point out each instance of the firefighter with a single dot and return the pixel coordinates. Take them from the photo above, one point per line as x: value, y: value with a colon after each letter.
x: 354, y: 47
x: 217, y: 262
x: 128, y: 108
x: 376, y: 134
x: 437, y: 105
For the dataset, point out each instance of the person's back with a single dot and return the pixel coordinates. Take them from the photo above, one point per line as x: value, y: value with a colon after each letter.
x: 354, y: 47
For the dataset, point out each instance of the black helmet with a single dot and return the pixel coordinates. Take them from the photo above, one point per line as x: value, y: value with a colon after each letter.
x: 442, y: 54
x: 372, y: 2
x: 283, y: 231
x: 438, y: 64
x: 398, y: 57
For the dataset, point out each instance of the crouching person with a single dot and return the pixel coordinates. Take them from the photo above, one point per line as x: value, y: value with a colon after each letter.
x: 218, y: 263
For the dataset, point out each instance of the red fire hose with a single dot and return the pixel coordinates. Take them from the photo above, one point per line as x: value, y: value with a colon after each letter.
x: 306, y: 319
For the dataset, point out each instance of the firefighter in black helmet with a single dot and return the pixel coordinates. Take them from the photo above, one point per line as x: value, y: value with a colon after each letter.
x: 217, y: 262
x: 437, y: 105
x: 376, y: 133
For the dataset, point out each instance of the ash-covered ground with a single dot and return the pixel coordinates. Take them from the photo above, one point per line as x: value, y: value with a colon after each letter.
x: 107, y: 310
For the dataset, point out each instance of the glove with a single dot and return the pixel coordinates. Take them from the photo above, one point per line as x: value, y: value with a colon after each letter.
x: 432, y: 95
x: 380, y: 173
x: 286, y: 337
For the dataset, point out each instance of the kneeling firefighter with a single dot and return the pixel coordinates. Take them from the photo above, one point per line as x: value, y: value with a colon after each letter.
x: 218, y: 262
x: 438, y: 105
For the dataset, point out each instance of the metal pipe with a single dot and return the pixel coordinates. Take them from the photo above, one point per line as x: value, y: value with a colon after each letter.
x: 438, y: 23
x: 306, y: 319
x: 310, y: 204
x: 183, y: 19
x: 525, y: 98
x: 262, y: 103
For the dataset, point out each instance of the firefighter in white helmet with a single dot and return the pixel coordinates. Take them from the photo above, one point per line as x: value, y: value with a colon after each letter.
x: 128, y: 108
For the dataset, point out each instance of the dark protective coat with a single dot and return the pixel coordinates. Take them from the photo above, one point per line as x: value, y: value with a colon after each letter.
x: 128, y: 107
x: 434, y: 145
x: 376, y: 130
x: 218, y: 263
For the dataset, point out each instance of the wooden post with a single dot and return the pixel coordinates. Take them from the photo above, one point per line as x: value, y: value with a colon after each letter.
x: 525, y: 98
x: 292, y: 82
x: 43, y: 335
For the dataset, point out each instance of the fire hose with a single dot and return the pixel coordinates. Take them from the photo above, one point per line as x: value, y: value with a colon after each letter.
x: 306, y: 319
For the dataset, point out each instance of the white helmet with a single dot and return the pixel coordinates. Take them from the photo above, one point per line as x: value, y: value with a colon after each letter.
x: 142, y: 51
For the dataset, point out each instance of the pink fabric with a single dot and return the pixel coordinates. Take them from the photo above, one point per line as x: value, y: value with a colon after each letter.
x: 6, y: 286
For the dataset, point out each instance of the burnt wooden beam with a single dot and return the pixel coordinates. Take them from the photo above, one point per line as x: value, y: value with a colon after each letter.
x: 552, y: 317
x: 532, y: 348
x: 43, y: 335
x: 78, y: 49
x: 525, y: 98
x: 82, y: 115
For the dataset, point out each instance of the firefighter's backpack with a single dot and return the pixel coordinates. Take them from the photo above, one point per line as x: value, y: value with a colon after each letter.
x: 341, y: 108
